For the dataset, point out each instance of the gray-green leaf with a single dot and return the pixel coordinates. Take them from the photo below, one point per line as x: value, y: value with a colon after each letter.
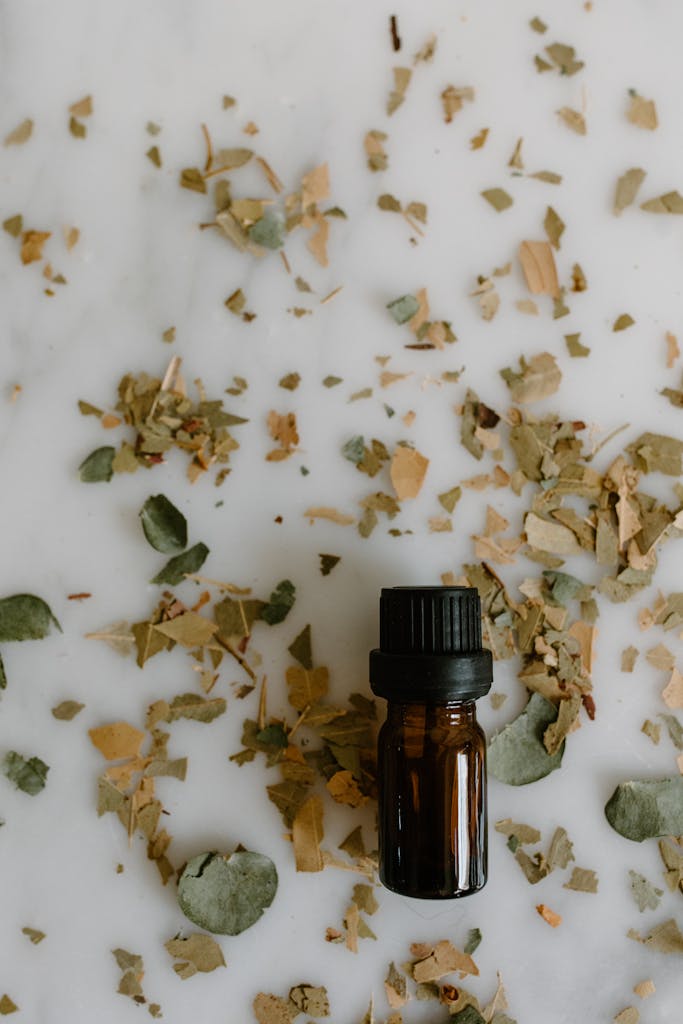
x: 642, y: 809
x: 645, y: 893
x: 175, y: 569
x: 97, y: 467
x: 25, y: 617
x: 28, y: 775
x: 516, y: 754
x: 165, y: 527
x: 279, y: 603
x: 227, y: 893
x: 404, y: 308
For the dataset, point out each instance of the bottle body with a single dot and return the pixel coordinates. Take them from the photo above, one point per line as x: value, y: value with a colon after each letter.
x: 433, y: 841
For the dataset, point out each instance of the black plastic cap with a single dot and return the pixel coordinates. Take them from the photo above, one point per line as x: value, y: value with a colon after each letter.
x: 430, y: 645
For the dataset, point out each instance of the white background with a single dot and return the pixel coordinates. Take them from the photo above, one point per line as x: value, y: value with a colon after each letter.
x: 314, y: 77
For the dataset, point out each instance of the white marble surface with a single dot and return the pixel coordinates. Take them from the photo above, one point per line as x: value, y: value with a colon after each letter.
x: 314, y: 77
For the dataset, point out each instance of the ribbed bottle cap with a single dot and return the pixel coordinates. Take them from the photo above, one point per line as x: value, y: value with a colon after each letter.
x: 430, y: 645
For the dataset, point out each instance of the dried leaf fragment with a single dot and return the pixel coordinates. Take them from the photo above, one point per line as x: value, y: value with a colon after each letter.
x: 117, y: 740
x: 453, y: 99
x: 21, y: 134
x: 498, y: 198
x: 642, y: 809
x: 536, y: 378
x: 442, y: 959
x: 642, y: 112
x: 627, y: 188
x: 548, y: 915
x: 538, y: 265
x: 227, y: 893
x: 196, y: 952
x: 574, y: 119
x: 408, y: 470
x: 28, y: 774
x: 307, y: 835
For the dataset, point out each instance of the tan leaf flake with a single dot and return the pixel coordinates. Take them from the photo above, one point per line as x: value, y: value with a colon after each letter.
x: 645, y: 988
x: 453, y: 98
x: 307, y: 834
x: 549, y: 915
x: 574, y: 119
x: 672, y: 350
x: 315, y: 186
x: 538, y: 264
x: 189, y: 629
x: 306, y: 686
x: 549, y: 536
x: 32, y: 243
x: 672, y: 694
x: 408, y: 470
x: 402, y: 78
x: 642, y: 112
x: 117, y: 740
x: 283, y: 429
x: 345, y: 790
x: 442, y: 959
x: 325, y: 512
x: 82, y: 108
x: 21, y: 134
x: 627, y: 188
x: 317, y: 243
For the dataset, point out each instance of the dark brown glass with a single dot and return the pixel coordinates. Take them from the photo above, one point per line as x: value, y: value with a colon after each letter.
x: 433, y: 840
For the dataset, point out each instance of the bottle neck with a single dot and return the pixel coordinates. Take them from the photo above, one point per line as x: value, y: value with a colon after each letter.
x: 444, y: 713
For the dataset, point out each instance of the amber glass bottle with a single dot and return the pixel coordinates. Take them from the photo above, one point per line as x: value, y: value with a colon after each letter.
x: 431, y: 767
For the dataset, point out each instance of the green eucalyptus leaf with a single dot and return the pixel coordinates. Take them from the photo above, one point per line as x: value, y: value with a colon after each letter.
x: 516, y: 754
x: 164, y: 526
x: 642, y: 809
x: 25, y: 617
x: 227, y: 893
x: 279, y: 603
x: 403, y: 308
x: 97, y: 467
x: 28, y: 775
x: 175, y: 569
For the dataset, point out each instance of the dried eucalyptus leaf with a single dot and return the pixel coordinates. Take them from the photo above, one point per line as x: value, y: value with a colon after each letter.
x: 582, y: 880
x: 498, y: 198
x: 642, y: 809
x: 227, y: 893
x: 403, y: 308
x: 177, y: 568
x: 473, y: 940
x: 627, y: 188
x: 98, y: 466
x: 25, y: 617
x: 200, y: 953
x: 516, y: 754
x: 646, y: 895
x: 67, y: 710
x: 165, y: 527
x: 28, y: 775
x: 664, y: 938
x: 310, y: 999
x: 279, y: 603
x: 300, y: 648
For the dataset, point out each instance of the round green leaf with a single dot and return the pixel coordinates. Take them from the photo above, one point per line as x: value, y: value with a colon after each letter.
x: 165, y: 527
x: 97, y: 467
x: 644, y: 808
x: 25, y: 617
x: 516, y: 754
x: 227, y: 893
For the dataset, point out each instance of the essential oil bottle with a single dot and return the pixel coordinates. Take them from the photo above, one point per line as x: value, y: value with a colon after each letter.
x: 431, y: 767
